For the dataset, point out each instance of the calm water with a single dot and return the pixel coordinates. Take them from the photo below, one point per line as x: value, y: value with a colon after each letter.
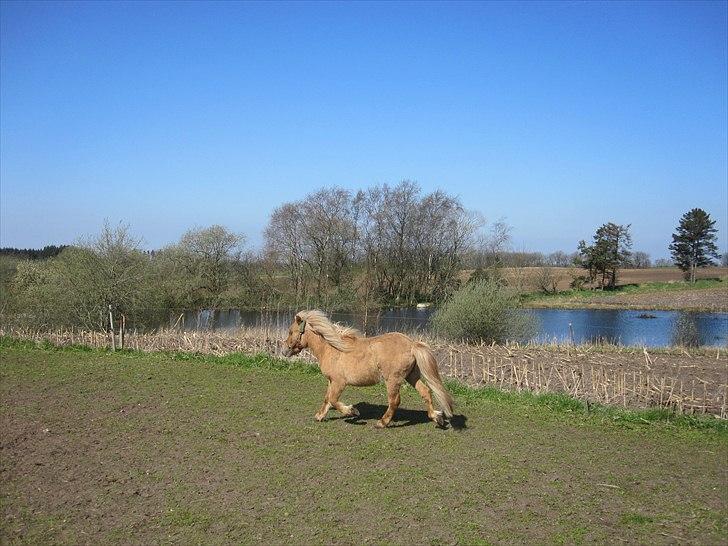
x: 625, y: 327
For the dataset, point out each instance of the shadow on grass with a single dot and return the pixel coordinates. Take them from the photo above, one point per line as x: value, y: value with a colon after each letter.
x: 403, y: 417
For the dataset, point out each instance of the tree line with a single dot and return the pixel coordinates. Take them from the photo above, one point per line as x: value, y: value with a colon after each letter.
x: 335, y: 249
x: 48, y: 251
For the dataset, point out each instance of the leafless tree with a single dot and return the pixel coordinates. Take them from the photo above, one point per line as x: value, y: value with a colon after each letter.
x: 641, y: 260
x: 405, y: 245
x: 558, y: 259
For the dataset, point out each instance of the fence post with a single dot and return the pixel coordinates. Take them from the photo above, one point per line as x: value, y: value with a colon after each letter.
x: 111, y: 326
x: 122, y: 331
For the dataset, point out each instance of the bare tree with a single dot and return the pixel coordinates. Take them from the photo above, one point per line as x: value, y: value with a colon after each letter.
x: 406, y: 245
x: 78, y: 286
x: 547, y: 280
x: 559, y: 259
x: 641, y: 260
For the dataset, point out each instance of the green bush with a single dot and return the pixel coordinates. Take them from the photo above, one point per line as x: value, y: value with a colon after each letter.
x: 484, y: 311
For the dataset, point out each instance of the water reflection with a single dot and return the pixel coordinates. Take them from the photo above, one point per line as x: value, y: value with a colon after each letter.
x: 621, y: 326
x: 685, y: 331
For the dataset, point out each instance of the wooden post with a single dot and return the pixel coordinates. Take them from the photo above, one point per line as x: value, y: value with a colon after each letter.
x: 111, y: 327
x: 122, y: 331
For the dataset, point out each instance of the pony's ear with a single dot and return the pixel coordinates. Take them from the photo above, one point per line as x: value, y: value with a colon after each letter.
x: 301, y: 323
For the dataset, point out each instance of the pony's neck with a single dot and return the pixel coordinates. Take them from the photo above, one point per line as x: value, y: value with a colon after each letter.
x: 317, y: 345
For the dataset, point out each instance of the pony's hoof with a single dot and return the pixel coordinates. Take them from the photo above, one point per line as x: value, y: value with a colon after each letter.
x: 319, y: 418
x: 439, y: 419
x: 380, y: 424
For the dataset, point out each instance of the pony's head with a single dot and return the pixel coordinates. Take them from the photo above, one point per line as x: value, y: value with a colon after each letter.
x: 308, y: 323
x: 296, y: 340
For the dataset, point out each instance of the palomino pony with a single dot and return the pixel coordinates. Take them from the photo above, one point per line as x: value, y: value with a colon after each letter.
x: 348, y: 358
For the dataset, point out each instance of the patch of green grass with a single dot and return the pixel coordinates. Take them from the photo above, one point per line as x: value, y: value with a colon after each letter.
x: 183, y: 517
x: 574, y: 535
x: 635, y: 519
x: 580, y: 410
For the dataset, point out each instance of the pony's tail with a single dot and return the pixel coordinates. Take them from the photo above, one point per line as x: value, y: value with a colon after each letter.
x: 427, y: 364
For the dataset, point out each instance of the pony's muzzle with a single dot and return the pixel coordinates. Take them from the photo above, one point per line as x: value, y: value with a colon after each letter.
x: 286, y: 350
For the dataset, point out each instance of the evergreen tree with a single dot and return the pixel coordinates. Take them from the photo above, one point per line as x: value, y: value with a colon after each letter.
x: 607, y: 255
x: 693, y: 245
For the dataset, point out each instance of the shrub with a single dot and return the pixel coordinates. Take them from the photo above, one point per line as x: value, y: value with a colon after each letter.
x: 547, y: 280
x: 484, y: 311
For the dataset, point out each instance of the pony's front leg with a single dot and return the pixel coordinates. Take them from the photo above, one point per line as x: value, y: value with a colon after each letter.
x: 326, y: 405
x: 336, y: 388
x: 332, y: 400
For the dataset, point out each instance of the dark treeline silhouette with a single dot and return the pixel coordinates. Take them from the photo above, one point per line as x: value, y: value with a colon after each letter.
x: 48, y: 251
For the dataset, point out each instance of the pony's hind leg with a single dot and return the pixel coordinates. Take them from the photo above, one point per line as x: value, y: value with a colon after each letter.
x: 414, y: 379
x: 393, y: 400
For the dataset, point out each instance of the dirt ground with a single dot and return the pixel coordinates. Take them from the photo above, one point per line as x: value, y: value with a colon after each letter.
x: 139, y: 449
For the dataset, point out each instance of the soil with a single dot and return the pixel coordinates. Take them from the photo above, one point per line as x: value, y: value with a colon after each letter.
x: 138, y: 449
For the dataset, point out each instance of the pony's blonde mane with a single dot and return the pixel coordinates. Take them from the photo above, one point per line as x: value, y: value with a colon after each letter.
x: 335, y: 334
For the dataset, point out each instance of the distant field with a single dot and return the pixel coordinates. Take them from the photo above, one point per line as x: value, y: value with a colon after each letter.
x: 525, y: 277
x: 656, y: 288
x: 150, y: 448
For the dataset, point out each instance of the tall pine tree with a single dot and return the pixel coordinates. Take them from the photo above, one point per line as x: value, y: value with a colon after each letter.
x: 693, y: 245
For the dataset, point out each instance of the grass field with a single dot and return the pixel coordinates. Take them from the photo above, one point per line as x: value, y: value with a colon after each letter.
x: 149, y: 448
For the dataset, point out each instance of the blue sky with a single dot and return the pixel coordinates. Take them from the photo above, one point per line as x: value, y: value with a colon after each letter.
x: 556, y: 116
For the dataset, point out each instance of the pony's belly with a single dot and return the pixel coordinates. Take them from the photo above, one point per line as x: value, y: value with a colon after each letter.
x: 363, y: 378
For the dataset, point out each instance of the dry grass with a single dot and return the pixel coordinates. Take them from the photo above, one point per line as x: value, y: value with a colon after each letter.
x: 686, y: 381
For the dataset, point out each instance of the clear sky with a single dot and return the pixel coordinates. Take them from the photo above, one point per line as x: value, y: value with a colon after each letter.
x: 557, y: 116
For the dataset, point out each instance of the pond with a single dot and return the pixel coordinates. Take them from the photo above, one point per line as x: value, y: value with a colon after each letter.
x: 619, y: 326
